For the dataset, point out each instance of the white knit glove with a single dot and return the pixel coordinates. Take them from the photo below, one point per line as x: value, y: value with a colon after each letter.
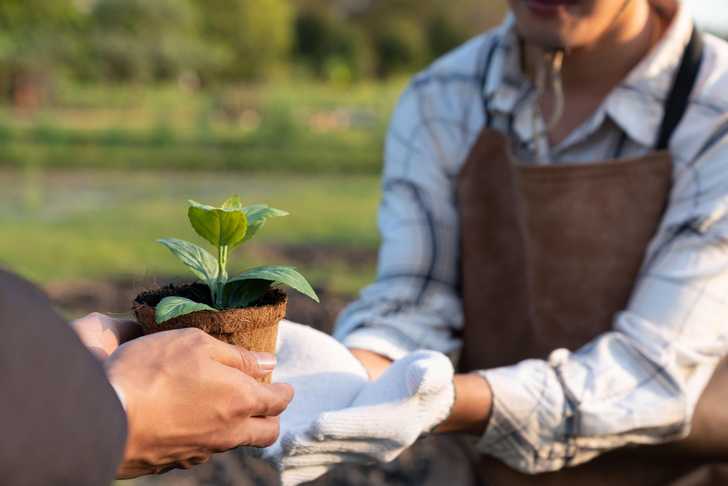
x: 323, y: 373
x: 338, y: 416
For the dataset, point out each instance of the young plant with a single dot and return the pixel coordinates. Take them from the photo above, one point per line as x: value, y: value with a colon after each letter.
x: 226, y: 228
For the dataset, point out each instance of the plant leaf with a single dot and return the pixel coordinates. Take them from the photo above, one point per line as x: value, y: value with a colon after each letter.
x: 220, y: 226
x: 257, y: 215
x: 197, y: 259
x: 171, y: 307
x: 232, y: 202
x: 242, y: 293
x: 279, y: 275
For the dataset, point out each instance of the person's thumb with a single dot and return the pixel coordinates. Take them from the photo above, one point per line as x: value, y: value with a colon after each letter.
x: 429, y: 373
x: 257, y: 364
x: 251, y: 363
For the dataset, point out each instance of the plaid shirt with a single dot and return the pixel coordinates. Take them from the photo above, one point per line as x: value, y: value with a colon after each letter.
x: 637, y: 384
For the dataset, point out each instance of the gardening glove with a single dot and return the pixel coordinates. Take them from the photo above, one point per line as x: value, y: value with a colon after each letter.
x: 324, y: 374
x: 412, y: 397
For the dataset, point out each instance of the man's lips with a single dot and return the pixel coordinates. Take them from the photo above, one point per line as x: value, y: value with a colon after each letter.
x: 549, y: 7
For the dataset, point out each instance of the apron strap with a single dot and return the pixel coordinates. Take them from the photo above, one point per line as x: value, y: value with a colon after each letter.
x: 677, y: 101
x: 484, y: 69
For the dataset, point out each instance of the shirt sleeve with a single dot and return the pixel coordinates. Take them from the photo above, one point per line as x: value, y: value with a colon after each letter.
x: 61, y: 421
x: 640, y: 383
x: 414, y: 303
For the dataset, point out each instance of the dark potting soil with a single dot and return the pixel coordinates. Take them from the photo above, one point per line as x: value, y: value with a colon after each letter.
x: 200, y: 293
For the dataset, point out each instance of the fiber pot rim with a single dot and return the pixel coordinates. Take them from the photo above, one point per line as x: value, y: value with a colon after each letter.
x: 227, y: 321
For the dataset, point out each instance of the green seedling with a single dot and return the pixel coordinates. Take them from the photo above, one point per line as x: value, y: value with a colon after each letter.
x: 226, y: 228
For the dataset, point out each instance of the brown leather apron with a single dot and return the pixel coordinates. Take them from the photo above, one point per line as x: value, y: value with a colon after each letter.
x: 550, y: 255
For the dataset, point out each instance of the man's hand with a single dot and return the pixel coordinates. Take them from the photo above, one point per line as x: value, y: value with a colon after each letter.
x: 387, y: 416
x: 323, y: 373
x: 339, y: 415
x: 102, y: 334
x: 473, y: 397
x: 188, y: 395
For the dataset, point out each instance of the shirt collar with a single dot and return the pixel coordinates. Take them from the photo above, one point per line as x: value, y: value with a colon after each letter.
x: 642, y: 92
x: 647, y: 86
x: 506, y: 81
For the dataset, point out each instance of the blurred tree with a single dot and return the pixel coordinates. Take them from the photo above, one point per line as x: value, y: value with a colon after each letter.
x: 258, y: 33
x: 407, y: 34
x: 141, y: 39
x: 31, y: 14
x: 443, y: 35
x: 225, y: 40
x: 400, y: 46
x: 36, y: 36
x: 330, y: 48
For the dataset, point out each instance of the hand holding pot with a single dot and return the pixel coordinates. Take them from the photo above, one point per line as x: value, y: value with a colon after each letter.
x: 102, y: 334
x: 188, y: 395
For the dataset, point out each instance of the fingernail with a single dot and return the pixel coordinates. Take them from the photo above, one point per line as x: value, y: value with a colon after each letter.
x: 266, y: 361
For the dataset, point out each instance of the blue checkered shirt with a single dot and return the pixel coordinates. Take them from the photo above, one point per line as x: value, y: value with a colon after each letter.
x: 637, y: 384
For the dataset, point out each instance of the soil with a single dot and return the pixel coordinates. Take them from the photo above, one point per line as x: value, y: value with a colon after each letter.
x: 196, y: 291
x: 200, y: 293
x: 431, y: 462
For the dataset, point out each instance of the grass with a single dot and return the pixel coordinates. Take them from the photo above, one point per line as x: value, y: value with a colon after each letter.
x: 83, y: 224
x: 293, y: 126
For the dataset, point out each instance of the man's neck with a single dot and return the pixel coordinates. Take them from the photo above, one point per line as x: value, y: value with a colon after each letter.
x: 596, y: 66
x: 591, y: 72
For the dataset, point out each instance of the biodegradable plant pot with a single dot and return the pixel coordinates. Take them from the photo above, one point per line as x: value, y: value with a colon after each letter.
x: 254, y: 328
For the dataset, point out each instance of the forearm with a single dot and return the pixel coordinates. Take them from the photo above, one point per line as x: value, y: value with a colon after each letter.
x: 472, y: 407
x: 374, y: 363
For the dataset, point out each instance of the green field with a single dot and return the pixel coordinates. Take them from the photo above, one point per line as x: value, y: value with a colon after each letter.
x: 297, y: 127
x: 61, y: 225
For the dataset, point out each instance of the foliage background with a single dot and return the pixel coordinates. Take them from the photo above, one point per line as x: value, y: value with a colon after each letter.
x: 230, y: 40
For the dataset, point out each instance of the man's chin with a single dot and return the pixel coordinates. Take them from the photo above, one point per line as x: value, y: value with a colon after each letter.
x: 553, y: 31
x: 545, y: 40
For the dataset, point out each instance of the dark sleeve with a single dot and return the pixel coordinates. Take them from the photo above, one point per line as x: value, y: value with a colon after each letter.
x: 61, y: 422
